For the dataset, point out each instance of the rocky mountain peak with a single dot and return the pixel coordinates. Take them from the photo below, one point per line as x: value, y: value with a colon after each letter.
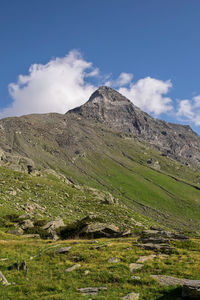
x: 107, y: 94
x: 109, y: 107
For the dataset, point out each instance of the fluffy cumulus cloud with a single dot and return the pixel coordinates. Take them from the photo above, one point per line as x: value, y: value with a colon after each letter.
x: 148, y: 93
x: 66, y: 82
x: 123, y: 80
x: 57, y: 86
x: 189, y: 110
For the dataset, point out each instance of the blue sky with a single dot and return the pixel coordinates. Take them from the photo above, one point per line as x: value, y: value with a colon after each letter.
x: 147, y: 49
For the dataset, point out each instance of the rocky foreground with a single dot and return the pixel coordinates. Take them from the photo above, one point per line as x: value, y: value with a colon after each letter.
x: 111, y: 268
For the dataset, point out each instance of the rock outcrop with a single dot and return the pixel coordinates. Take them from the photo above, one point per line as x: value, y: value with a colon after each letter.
x: 159, y: 240
x: 190, y: 288
x: 92, y: 227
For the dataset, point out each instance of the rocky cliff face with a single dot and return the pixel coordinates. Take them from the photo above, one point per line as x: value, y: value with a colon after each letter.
x: 120, y: 114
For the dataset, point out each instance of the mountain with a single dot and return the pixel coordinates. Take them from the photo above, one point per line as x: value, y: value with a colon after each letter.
x: 116, y: 111
x: 108, y: 146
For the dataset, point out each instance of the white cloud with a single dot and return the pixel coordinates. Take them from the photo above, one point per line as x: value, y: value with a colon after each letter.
x: 147, y: 93
x: 189, y: 110
x: 123, y: 80
x: 56, y: 86
x: 64, y: 83
x: 196, y: 101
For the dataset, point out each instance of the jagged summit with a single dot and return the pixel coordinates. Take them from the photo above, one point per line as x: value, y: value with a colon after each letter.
x: 105, y: 93
x: 109, y: 107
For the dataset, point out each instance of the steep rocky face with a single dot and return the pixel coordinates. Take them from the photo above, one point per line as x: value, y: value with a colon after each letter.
x: 116, y: 111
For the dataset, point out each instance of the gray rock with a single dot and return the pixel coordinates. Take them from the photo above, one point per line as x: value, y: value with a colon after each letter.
x: 53, y: 234
x: 100, y: 230
x: 131, y: 296
x: 161, y: 234
x: 168, y: 280
x: 74, y: 267
x: 158, y: 240
x: 134, y: 266
x: 156, y: 247
x: 126, y: 233
x: 92, y: 290
x: 26, y: 224
x: 54, y: 224
x: 154, y: 240
x: 90, y: 227
x: 63, y: 250
x: 143, y: 259
x: 100, y: 247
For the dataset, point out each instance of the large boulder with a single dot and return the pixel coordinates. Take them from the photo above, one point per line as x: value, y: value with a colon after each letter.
x: 190, y: 288
x: 57, y: 223
x: 96, y: 230
x: 92, y: 227
x: 26, y: 224
x: 52, y: 227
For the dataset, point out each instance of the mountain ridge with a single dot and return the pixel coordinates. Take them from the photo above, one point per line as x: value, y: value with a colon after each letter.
x: 119, y: 113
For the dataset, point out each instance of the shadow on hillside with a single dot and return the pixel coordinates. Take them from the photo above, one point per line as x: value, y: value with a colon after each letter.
x: 172, y: 295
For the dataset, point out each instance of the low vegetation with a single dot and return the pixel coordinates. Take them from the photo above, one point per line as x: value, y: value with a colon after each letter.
x: 46, y: 277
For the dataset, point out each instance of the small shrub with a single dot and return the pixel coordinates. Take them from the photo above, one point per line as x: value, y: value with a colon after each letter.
x: 38, y: 230
x: 13, y: 218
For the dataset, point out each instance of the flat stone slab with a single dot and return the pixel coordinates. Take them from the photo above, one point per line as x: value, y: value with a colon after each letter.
x: 143, y: 259
x: 63, y: 250
x: 162, y: 233
x: 91, y: 290
x: 134, y: 266
x: 131, y: 296
x: 156, y: 247
x: 75, y: 267
x: 168, y: 280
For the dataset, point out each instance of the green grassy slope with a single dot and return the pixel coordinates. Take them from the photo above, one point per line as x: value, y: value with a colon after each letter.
x: 47, y: 279
x: 54, y: 197
x: 146, y: 182
x: 170, y: 196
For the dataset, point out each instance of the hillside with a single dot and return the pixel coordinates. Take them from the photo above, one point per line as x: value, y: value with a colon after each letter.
x: 105, y: 212
x: 98, y: 145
